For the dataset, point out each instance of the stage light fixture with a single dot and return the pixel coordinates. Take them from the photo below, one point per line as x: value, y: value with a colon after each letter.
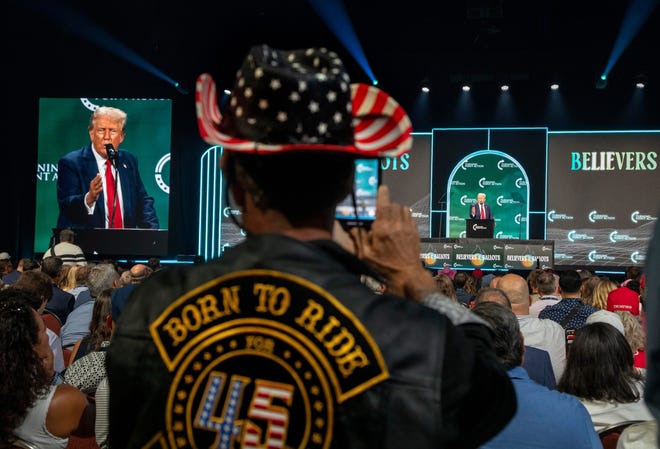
x: 227, y: 92
x: 465, y: 88
x: 426, y: 89
x: 504, y: 87
x: 601, y: 82
x: 640, y: 81
x: 554, y: 86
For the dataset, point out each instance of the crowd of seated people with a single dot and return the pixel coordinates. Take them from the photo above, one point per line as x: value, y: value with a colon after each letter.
x: 63, y: 385
x: 603, y: 368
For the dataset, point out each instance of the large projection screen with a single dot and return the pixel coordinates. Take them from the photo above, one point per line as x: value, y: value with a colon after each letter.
x: 603, y: 195
x: 63, y: 126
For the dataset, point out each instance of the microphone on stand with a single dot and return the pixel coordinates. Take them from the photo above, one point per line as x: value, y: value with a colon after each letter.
x: 113, y: 155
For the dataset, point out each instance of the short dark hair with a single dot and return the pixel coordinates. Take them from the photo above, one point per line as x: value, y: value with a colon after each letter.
x: 546, y: 283
x: 301, y: 185
x: 52, y: 266
x: 492, y: 294
x: 507, y: 339
x: 570, y: 281
x: 37, y: 284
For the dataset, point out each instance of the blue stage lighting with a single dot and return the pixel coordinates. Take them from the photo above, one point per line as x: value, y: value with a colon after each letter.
x: 636, y: 14
x: 336, y: 18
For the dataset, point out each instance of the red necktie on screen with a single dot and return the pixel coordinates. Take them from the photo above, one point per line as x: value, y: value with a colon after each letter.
x: 113, y: 197
x: 483, y: 214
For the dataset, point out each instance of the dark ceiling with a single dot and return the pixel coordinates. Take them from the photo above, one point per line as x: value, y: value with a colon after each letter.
x: 404, y: 42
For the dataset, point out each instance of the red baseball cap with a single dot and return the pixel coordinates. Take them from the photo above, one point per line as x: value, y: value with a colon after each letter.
x: 624, y: 299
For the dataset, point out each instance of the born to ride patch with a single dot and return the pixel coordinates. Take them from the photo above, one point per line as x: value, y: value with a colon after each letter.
x: 260, y: 359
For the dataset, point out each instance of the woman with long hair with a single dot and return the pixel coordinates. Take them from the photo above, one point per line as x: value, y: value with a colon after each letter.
x: 33, y: 409
x: 600, y: 372
x: 600, y: 292
x: 99, y: 330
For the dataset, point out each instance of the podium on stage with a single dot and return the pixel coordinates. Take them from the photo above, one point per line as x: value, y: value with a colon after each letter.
x: 477, y: 228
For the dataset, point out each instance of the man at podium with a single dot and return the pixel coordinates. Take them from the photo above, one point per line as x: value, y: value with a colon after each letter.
x: 480, y: 210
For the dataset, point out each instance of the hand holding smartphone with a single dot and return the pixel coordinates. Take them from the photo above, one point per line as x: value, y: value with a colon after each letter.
x: 367, y: 180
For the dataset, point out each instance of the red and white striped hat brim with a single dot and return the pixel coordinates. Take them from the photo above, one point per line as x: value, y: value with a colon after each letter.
x: 381, y: 126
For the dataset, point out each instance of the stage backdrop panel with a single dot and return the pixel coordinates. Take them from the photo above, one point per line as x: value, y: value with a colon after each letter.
x: 63, y: 128
x: 603, y: 196
x: 508, y: 164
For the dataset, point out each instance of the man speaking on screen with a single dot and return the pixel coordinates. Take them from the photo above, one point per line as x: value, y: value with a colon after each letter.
x: 99, y: 185
x: 480, y: 210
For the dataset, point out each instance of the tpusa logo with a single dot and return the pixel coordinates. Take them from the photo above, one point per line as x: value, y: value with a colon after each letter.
x: 457, y: 246
x: 483, y: 182
x: 228, y: 211
x: 158, y: 173
x: 502, y: 164
x: 616, y: 237
x: 637, y: 257
x: 502, y: 201
x: 636, y: 217
x: 465, y: 200
x: 469, y: 165
x: 496, y: 247
x: 593, y: 256
x: 456, y: 182
x: 594, y: 216
x: 563, y: 256
x: 518, y: 219
x: 520, y: 183
x: 572, y: 236
x: 553, y: 215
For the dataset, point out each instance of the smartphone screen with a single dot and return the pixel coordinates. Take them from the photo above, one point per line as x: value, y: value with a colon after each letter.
x: 367, y: 180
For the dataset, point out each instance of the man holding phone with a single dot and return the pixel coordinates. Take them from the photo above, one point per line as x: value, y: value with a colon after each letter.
x: 279, y: 342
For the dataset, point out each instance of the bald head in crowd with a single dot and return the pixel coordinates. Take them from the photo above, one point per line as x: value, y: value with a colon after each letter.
x: 517, y: 289
x: 139, y: 272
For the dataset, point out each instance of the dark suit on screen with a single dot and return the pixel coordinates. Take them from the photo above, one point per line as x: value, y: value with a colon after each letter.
x: 475, y: 208
x: 77, y: 169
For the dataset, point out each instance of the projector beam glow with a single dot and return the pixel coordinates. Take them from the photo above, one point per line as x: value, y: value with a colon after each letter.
x: 636, y: 14
x: 335, y: 17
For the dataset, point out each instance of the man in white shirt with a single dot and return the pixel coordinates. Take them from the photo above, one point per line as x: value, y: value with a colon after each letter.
x: 542, y: 334
x: 547, y: 285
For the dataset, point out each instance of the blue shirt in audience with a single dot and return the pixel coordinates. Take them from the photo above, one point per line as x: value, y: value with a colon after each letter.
x: 545, y: 419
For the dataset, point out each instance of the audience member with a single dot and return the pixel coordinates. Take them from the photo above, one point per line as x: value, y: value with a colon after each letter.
x: 445, y: 285
x: 600, y: 293
x: 38, y: 285
x: 69, y: 252
x: 542, y: 334
x: 330, y: 350
x: 536, y: 362
x: 623, y: 298
x: 137, y: 274
x: 100, y: 278
x: 587, y: 289
x: 532, y: 277
x: 544, y: 418
x: 547, y: 287
x: 154, y: 263
x: 12, y: 276
x: 461, y: 285
x: 492, y: 294
x: 34, y: 410
x: 600, y: 373
x: 570, y: 312
x: 636, y: 337
x: 61, y: 303
x: 81, y: 290
x: 604, y: 316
